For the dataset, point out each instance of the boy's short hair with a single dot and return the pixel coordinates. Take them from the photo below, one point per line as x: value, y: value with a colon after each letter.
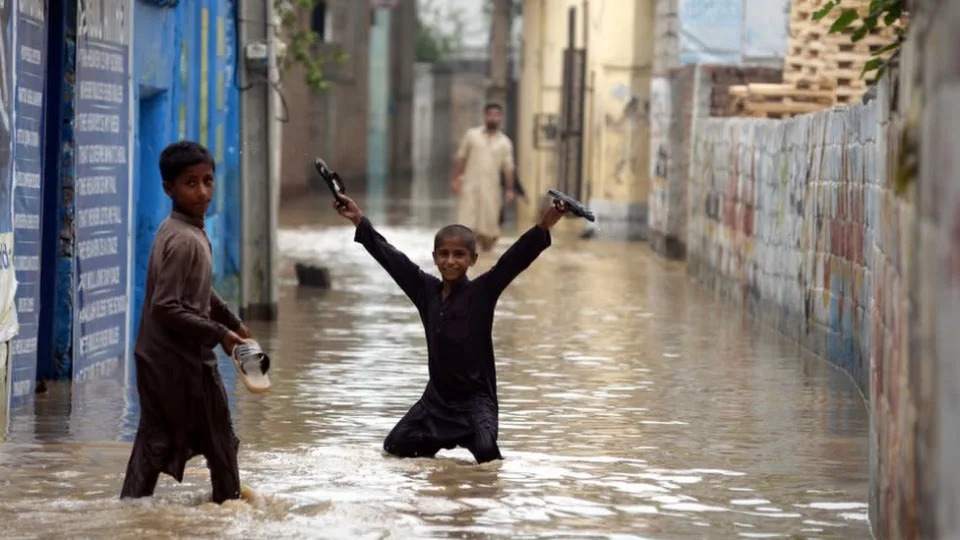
x: 492, y: 105
x: 456, y: 231
x: 183, y: 155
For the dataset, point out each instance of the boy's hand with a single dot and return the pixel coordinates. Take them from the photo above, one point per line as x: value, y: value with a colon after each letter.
x: 350, y: 211
x: 231, y: 340
x: 244, y: 332
x: 552, y: 215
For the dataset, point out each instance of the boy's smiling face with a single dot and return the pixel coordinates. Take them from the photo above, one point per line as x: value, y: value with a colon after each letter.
x: 453, y: 258
x: 192, y: 190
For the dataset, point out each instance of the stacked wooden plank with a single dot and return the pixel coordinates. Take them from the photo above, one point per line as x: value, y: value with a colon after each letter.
x: 778, y: 100
x: 820, y: 69
x: 815, y: 56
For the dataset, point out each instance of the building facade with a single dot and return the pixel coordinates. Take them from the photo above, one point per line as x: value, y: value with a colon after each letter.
x: 91, y: 95
x: 362, y: 124
x: 582, y: 114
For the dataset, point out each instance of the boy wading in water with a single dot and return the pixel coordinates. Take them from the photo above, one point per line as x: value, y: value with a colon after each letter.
x: 459, y: 406
x: 183, y: 405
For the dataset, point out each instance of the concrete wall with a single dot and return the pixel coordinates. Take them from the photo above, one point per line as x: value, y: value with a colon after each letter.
x: 333, y: 123
x: 934, y: 287
x: 403, y: 37
x: 666, y: 43
x: 797, y: 221
x: 423, y: 104
x: 779, y: 220
x: 800, y: 222
x: 677, y: 100
x: 673, y: 108
x: 454, y: 91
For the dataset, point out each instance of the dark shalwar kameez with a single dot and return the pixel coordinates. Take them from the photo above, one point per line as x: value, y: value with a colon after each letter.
x: 459, y: 405
x: 183, y: 405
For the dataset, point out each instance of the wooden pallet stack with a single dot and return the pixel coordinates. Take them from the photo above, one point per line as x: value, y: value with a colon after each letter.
x: 820, y: 69
x: 779, y: 100
x: 814, y: 55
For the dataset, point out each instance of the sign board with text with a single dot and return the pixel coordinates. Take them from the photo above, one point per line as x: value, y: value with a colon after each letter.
x: 30, y: 61
x: 103, y: 158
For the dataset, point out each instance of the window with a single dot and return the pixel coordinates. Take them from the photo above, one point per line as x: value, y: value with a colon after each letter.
x: 319, y: 21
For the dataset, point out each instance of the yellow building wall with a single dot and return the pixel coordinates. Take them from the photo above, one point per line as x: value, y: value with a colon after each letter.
x: 619, y: 45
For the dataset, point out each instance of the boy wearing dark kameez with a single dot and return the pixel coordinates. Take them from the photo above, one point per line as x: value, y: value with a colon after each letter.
x: 183, y: 405
x: 459, y: 405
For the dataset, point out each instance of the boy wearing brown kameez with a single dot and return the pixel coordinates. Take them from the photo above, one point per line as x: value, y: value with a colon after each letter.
x: 183, y: 405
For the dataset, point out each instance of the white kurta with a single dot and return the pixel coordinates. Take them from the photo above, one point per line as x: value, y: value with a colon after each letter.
x: 481, y: 198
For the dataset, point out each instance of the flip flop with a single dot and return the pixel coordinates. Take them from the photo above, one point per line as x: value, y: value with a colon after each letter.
x: 252, y: 365
x: 572, y: 205
x: 332, y: 179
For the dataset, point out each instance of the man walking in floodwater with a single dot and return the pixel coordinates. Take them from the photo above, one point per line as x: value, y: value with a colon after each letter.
x: 484, y: 153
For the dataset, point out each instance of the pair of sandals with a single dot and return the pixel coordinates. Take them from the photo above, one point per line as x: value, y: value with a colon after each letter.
x: 561, y: 200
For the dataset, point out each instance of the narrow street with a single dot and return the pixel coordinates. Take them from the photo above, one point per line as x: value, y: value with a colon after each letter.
x: 633, y: 404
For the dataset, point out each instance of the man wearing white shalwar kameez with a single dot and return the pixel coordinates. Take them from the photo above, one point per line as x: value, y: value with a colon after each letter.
x: 484, y: 153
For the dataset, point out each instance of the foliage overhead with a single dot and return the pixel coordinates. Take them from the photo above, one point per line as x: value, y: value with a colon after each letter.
x: 859, y: 25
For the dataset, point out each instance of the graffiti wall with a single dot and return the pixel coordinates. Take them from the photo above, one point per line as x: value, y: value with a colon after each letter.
x: 799, y: 221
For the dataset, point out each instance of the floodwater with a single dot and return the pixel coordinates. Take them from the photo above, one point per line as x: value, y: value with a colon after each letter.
x: 633, y: 405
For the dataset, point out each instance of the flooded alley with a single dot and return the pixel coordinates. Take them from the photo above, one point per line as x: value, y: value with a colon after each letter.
x: 633, y: 404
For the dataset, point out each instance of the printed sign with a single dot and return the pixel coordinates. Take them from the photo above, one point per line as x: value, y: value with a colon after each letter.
x: 30, y: 62
x: 102, y: 190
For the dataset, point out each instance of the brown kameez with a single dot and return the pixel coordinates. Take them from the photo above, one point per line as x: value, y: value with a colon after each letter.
x: 183, y: 405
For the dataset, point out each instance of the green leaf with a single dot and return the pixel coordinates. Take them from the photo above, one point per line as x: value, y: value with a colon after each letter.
x: 859, y: 34
x: 895, y: 45
x: 872, y: 64
x: 824, y: 11
x: 844, y: 20
x: 893, y: 15
x: 877, y: 77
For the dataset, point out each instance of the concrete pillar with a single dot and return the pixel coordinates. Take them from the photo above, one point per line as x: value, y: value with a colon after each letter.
x: 529, y: 104
x: 499, y: 47
x: 934, y: 121
x: 258, y: 276
x: 378, y: 126
x: 403, y: 37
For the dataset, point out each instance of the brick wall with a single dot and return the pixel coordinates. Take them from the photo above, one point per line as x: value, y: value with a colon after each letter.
x: 800, y: 221
x: 691, y: 96
x: 721, y: 78
x: 797, y: 220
